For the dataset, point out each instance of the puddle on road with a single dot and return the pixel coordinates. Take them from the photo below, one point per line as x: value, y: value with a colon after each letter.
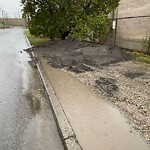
x: 34, y: 102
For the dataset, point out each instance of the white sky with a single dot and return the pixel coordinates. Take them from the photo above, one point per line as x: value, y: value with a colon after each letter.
x: 11, y: 7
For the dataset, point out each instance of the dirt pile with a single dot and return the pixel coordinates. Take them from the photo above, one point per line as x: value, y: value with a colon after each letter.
x: 80, y: 56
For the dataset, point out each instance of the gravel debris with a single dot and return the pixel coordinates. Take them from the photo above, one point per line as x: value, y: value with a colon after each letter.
x: 130, y: 95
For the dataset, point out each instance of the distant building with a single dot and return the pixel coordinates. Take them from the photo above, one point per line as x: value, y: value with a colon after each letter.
x: 130, y: 32
x: 7, y: 22
x: 17, y: 22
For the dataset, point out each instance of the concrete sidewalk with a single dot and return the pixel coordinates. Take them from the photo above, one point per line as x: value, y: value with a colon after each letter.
x: 96, y: 124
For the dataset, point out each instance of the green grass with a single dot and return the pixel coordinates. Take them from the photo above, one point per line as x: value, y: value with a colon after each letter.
x: 35, y: 40
x: 140, y: 57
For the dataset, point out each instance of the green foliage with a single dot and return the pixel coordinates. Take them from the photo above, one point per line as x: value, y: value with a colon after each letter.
x: 58, y: 19
x: 140, y: 57
x: 34, y: 40
x: 95, y: 28
x: 146, y: 42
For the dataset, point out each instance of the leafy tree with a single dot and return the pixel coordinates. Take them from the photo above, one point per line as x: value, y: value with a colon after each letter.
x: 58, y: 19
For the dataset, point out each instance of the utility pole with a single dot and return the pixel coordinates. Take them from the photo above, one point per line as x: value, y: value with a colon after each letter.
x: 3, y: 20
x: 0, y: 17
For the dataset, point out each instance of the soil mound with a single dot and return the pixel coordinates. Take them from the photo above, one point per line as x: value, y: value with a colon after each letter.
x: 80, y: 56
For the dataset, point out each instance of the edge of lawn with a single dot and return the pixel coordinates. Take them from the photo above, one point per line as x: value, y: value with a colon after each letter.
x: 140, y: 56
x: 35, y: 40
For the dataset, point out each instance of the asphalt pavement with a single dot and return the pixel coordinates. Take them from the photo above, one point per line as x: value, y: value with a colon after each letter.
x: 26, y: 120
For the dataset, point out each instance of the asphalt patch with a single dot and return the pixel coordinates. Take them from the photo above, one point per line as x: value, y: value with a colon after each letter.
x: 133, y: 75
x: 107, y: 85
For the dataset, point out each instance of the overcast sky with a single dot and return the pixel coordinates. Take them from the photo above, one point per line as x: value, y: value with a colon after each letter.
x: 12, y: 7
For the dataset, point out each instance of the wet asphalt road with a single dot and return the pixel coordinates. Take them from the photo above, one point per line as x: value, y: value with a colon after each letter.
x: 26, y: 121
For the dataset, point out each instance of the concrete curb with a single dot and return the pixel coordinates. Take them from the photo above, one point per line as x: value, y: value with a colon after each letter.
x: 65, y: 130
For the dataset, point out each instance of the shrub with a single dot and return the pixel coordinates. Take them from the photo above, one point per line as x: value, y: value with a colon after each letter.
x: 146, y: 42
x: 58, y: 19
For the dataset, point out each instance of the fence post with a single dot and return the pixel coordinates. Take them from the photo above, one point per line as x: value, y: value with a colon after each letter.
x: 114, y: 26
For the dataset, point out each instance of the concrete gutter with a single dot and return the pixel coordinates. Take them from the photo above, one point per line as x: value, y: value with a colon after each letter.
x: 65, y: 129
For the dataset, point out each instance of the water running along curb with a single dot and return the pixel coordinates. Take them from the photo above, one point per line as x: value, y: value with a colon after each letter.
x: 65, y: 130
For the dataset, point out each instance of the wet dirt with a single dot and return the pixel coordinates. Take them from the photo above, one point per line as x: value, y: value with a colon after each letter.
x: 80, y: 57
x: 133, y: 75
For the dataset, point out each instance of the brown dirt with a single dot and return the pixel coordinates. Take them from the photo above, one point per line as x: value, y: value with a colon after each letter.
x: 110, y: 72
x: 81, y: 56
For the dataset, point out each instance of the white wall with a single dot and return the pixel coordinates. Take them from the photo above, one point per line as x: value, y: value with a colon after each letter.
x: 130, y: 32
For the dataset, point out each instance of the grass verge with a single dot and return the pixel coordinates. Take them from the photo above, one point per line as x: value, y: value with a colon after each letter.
x: 35, y: 40
x: 140, y: 57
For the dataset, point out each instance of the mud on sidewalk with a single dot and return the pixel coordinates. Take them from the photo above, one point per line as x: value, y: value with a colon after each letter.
x: 110, y: 72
